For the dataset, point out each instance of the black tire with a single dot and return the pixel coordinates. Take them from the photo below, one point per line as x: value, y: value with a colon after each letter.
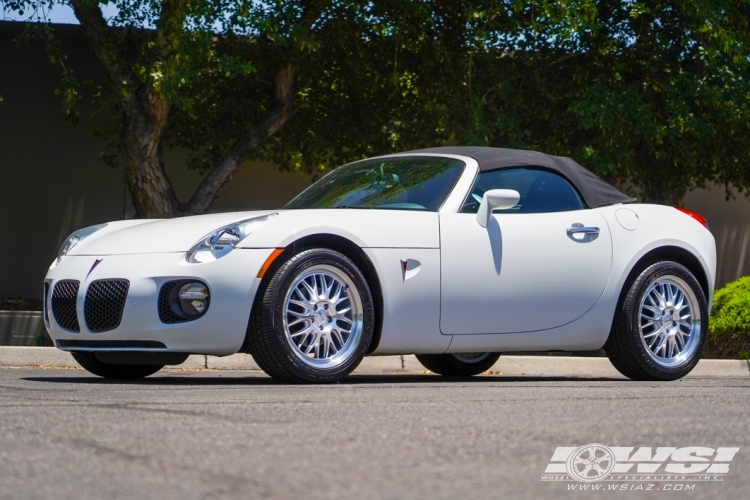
x: 89, y: 361
x: 271, y: 348
x: 450, y: 365
x: 625, y: 346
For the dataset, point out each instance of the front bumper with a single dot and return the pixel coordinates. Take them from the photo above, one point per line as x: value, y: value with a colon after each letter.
x: 231, y: 281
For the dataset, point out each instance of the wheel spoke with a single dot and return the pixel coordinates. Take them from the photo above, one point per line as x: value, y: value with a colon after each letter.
x: 337, y: 295
x: 655, y: 332
x: 655, y: 340
x: 298, y: 321
x: 307, y: 332
x: 332, y: 345
x: 313, y: 345
x: 658, y: 295
x: 304, y: 305
x: 651, y: 323
x: 659, y: 346
x: 680, y: 342
x: 326, y: 341
x: 656, y: 311
x: 298, y: 315
x: 680, y: 300
x: 312, y: 291
x: 329, y: 286
x: 336, y: 335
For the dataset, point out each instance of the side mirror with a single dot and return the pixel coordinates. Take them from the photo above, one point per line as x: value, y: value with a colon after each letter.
x: 496, y: 199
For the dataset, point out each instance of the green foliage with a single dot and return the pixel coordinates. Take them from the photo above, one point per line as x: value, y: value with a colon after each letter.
x: 731, y: 309
x: 652, y: 94
x: 372, y: 77
x: 730, y: 322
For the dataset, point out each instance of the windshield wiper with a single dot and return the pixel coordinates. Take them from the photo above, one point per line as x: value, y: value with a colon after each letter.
x: 349, y: 206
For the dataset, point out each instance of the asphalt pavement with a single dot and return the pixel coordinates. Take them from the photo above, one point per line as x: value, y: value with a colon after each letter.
x: 230, y: 434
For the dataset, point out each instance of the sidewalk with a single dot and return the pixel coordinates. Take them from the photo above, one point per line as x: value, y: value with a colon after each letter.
x: 534, y: 366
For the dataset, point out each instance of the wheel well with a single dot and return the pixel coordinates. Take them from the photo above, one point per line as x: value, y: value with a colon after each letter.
x: 675, y: 254
x: 353, y: 252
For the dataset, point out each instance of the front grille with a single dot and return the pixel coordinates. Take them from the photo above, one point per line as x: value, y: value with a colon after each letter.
x: 46, y: 299
x: 105, y: 300
x: 64, y: 304
x: 166, y: 311
x: 112, y: 344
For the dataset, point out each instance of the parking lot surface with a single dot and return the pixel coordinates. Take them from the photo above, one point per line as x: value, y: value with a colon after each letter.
x: 211, y: 434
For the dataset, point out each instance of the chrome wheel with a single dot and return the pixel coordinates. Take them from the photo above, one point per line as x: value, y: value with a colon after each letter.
x: 471, y: 357
x: 323, y: 316
x: 670, y: 321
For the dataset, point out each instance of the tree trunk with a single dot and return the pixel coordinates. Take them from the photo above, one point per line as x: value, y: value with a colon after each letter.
x: 144, y: 112
x: 140, y: 145
x: 280, y: 113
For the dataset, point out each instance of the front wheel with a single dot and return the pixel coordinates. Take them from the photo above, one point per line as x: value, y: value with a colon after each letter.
x: 315, y: 320
x: 461, y: 365
x: 659, y: 330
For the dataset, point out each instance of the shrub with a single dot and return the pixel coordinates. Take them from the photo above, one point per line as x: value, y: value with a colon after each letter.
x: 729, y: 324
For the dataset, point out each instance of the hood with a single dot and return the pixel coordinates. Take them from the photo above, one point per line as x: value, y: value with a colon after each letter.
x: 160, y: 236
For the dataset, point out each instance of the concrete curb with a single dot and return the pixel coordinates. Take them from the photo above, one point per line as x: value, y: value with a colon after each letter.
x: 532, y: 366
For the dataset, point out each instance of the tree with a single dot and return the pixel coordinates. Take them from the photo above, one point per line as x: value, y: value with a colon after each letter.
x: 343, y: 79
x: 154, y: 54
x: 653, y: 96
x: 650, y: 95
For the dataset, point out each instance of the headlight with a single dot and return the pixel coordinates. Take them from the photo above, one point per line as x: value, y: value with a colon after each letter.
x: 76, y: 238
x: 223, y: 240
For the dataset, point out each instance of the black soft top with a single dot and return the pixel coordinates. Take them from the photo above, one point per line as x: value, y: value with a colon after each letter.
x: 595, y: 191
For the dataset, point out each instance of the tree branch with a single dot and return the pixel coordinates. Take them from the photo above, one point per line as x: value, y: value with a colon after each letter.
x: 282, y: 110
x: 101, y: 40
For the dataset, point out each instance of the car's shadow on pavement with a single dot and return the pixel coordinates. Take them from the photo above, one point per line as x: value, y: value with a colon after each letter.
x: 260, y: 380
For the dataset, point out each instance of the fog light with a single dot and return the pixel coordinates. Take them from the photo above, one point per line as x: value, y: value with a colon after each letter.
x: 193, y: 299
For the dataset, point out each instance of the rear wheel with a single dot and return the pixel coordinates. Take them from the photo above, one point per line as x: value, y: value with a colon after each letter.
x: 92, y: 364
x: 459, y: 364
x: 315, y: 320
x: 659, y: 330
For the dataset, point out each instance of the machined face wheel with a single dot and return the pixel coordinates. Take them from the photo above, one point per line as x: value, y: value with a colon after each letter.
x: 323, y: 316
x: 669, y: 321
x: 659, y: 328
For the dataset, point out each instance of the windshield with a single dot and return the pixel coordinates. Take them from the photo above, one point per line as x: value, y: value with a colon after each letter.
x: 399, y: 183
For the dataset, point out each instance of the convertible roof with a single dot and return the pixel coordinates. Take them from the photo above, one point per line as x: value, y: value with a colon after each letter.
x: 595, y: 191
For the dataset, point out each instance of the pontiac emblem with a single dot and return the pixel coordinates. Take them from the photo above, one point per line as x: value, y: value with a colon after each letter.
x: 93, y: 266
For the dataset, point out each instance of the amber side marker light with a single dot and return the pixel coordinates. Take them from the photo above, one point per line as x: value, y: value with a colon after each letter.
x: 269, y: 261
x: 695, y: 216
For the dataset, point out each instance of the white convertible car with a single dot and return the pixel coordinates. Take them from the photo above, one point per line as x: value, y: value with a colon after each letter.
x: 454, y: 254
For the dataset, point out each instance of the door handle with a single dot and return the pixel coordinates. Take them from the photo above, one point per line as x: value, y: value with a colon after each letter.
x: 582, y: 230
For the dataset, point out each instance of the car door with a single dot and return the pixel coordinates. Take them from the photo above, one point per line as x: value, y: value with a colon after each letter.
x: 541, y: 264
